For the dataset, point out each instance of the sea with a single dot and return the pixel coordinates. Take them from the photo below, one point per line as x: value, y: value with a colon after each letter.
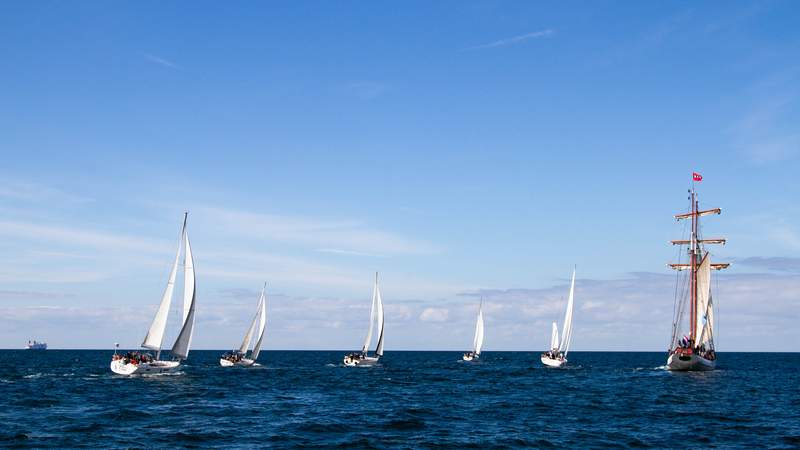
x: 70, y: 399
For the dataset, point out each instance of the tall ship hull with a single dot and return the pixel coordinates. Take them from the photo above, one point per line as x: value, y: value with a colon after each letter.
x: 683, y: 362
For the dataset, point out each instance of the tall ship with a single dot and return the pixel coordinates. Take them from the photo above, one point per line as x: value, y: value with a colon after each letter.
x: 36, y: 345
x: 145, y: 362
x: 692, y: 344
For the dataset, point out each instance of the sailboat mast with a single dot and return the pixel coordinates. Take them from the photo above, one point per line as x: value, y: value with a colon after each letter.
x: 695, y: 249
x: 693, y: 271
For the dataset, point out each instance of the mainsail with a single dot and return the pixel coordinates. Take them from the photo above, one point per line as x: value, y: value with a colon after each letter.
x: 379, y: 317
x: 262, y: 325
x: 478, y: 341
x: 368, y: 339
x: 155, y: 335
x: 249, y: 335
x: 566, y: 332
x: 705, y: 316
x: 180, y: 349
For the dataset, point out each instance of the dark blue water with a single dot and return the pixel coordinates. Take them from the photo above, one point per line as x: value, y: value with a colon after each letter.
x: 414, y: 399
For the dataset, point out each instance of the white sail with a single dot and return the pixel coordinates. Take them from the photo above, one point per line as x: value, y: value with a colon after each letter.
x: 566, y: 331
x: 180, y: 348
x: 155, y: 335
x: 704, y: 316
x: 188, y: 276
x: 368, y: 339
x: 478, y: 344
x: 249, y: 335
x: 262, y: 325
x: 379, y: 316
x: 554, y: 338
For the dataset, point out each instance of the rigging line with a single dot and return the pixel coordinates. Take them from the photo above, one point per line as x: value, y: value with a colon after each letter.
x: 677, y: 310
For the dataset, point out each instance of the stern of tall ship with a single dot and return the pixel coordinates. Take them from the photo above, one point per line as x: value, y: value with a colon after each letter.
x: 689, y: 361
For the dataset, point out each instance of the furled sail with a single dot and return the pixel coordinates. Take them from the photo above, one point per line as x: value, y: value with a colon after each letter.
x: 368, y: 339
x: 379, y: 316
x: 180, y: 349
x: 554, y: 338
x: 155, y: 335
x: 705, y: 317
x: 262, y: 325
x: 566, y: 332
x: 478, y: 344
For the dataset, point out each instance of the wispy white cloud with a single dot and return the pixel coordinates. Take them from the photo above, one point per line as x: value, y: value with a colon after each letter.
x: 338, y: 251
x: 76, y: 236
x: 32, y: 295
x: 774, y: 263
x: 514, y: 40
x: 434, y: 315
x: 161, y: 61
x: 33, y: 192
x: 766, y: 133
x: 632, y: 313
x: 344, y: 235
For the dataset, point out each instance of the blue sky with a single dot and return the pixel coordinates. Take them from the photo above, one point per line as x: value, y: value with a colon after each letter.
x: 458, y: 148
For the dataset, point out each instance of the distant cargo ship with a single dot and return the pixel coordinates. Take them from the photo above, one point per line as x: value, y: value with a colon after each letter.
x: 34, y: 345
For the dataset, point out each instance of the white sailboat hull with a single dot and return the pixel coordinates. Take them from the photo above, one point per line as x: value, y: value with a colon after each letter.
x: 469, y: 357
x: 680, y: 362
x: 244, y: 362
x: 151, y: 368
x: 366, y: 361
x: 551, y: 362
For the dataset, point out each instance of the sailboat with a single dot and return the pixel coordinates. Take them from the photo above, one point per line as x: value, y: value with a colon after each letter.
x: 477, y: 341
x: 145, y: 363
x: 694, y: 351
x: 557, y: 355
x: 363, y: 359
x: 239, y: 357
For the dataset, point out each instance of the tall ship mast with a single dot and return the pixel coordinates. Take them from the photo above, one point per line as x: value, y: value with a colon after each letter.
x: 692, y: 348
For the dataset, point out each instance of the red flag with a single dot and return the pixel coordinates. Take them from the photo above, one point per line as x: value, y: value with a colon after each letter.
x: 696, y: 176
